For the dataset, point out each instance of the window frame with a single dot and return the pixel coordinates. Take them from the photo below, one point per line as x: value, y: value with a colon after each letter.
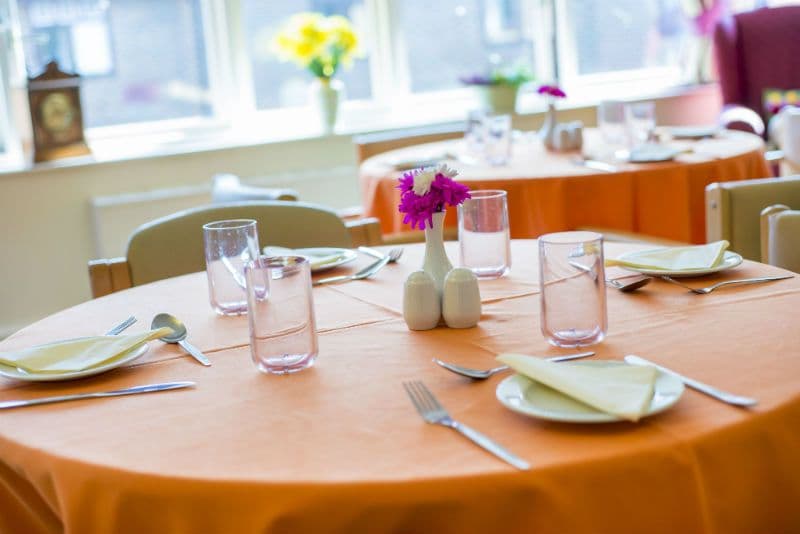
x: 236, y: 119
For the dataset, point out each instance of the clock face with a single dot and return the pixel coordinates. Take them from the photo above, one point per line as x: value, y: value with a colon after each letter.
x: 58, y: 113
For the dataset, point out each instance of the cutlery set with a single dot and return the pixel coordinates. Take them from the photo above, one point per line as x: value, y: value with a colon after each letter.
x: 433, y: 412
x: 179, y: 333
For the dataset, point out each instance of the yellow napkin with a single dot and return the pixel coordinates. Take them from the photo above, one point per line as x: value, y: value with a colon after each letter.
x: 675, y: 258
x: 315, y: 262
x: 624, y: 390
x: 77, y: 354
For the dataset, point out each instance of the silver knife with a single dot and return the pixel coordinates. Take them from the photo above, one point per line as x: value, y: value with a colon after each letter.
x: 711, y: 391
x: 115, y: 393
x: 372, y: 252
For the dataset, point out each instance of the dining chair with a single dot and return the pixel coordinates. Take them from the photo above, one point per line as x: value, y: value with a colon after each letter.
x: 369, y: 145
x: 173, y: 245
x: 756, y: 51
x: 780, y: 236
x: 226, y: 188
x: 733, y: 210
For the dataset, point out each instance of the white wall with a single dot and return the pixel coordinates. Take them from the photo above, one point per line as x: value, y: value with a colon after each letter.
x: 45, y: 214
x: 46, y: 222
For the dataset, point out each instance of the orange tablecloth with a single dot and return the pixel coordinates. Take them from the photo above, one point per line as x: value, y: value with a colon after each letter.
x: 548, y: 192
x: 339, y: 448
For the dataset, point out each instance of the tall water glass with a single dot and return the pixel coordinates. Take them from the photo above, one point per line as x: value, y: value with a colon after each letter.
x: 640, y: 120
x: 474, y: 134
x: 497, y: 139
x: 229, y: 245
x: 572, y: 281
x: 483, y: 234
x: 283, y: 330
x: 611, y: 122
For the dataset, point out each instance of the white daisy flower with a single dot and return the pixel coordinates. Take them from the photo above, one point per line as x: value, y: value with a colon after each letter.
x: 447, y: 171
x: 422, y: 181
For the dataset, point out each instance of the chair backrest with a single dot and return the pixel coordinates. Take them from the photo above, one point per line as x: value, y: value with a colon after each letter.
x: 226, y: 188
x: 780, y: 229
x: 173, y: 245
x: 733, y: 210
x: 757, y: 50
x: 369, y: 145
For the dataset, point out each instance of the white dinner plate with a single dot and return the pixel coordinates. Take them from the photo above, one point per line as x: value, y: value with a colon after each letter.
x: 729, y: 261
x: 345, y: 255
x: 19, y: 374
x: 528, y: 397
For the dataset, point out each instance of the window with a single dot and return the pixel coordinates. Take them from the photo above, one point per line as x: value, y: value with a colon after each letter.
x: 642, y: 38
x: 444, y: 40
x: 141, y: 60
x: 208, y: 64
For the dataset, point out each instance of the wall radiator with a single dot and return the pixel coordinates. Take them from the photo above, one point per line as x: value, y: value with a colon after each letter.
x: 115, y: 217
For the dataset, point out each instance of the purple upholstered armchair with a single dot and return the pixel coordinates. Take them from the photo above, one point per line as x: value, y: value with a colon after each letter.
x: 754, y: 51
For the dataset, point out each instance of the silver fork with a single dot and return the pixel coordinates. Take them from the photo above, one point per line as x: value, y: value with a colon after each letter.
x: 434, y: 413
x: 709, y: 289
x: 121, y: 326
x: 367, y: 271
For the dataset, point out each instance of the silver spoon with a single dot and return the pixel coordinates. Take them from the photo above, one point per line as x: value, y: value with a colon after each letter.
x: 483, y: 374
x: 631, y: 285
x: 178, y: 335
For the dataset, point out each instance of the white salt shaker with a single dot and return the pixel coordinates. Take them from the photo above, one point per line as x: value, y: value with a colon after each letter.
x: 461, y: 299
x: 421, y: 305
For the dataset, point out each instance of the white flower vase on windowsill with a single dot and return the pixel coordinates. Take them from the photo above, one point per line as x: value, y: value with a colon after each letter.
x: 326, y: 93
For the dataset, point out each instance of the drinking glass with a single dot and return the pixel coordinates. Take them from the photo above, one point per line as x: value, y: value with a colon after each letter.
x: 497, y: 139
x: 283, y: 331
x: 611, y: 122
x: 483, y: 234
x: 572, y: 281
x: 640, y: 120
x: 474, y: 134
x: 229, y: 245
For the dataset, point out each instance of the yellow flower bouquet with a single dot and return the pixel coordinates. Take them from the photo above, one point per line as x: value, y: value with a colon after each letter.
x: 316, y: 42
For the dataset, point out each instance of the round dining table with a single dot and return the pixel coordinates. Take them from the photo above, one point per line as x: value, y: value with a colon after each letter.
x: 555, y: 191
x: 339, y: 448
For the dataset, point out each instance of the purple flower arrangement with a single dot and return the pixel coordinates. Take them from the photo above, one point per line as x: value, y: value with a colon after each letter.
x: 424, y: 192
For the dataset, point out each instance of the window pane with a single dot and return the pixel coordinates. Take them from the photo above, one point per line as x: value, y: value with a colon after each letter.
x: 279, y: 84
x: 449, y: 39
x: 615, y: 35
x: 141, y: 60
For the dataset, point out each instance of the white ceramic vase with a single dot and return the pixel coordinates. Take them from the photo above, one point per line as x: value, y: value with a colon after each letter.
x: 436, y: 262
x: 326, y: 94
x: 548, y: 130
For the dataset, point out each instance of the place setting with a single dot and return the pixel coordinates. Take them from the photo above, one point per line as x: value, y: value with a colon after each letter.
x: 570, y: 388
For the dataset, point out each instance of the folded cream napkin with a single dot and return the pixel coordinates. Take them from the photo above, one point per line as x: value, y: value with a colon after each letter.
x: 675, y: 258
x: 315, y: 261
x: 77, y: 354
x: 621, y: 390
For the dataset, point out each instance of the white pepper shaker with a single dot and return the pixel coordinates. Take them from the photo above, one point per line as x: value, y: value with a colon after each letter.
x: 421, y: 305
x: 461, y: 299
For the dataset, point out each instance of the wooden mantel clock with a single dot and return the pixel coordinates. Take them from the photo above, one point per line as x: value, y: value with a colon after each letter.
x: 56, y: 117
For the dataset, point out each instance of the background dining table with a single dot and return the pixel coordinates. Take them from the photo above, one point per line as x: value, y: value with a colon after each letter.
x: 550, y: 191
x: 339, y: 448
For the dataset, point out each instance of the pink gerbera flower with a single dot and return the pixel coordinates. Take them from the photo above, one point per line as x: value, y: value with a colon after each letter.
x: 424, y: 192
x: 552, y: 91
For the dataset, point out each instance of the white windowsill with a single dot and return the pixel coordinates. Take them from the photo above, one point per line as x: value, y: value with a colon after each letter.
x: 300, y: 124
